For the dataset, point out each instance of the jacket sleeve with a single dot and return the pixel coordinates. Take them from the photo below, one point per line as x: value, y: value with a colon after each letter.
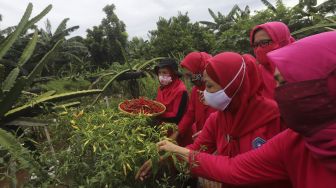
x: 260, y: 165
x: 188, y: 119
x: 179, y: 107
x: 206, y: 141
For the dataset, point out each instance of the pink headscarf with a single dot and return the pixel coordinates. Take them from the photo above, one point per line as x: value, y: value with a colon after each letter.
x: 278, y: 32
x: 312, y: 61
x: 281, y: 37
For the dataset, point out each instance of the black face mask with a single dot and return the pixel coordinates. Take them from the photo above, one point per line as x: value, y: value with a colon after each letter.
x: 197, y: 79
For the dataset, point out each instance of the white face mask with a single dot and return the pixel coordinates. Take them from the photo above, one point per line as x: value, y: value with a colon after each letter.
x: 165, y: 80
x: 220, y: 100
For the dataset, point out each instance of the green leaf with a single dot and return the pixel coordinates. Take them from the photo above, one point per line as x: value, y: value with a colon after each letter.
x: 37, y: 18
x: 11, y: 97
x: 10, y: 143
x: 141, y: 66
x: 38, y: 68
x: 28, y: 122
x: 6, y: 45
x: 54, y: 98
x: 62, y: 26
x: 67, y: 105
x: 213, y: 15
x: 317, y: 26
x: 269, y: 5
x: 109, y: 83
x: 28, y: 51
x: 10, y: 79
x: 44, y: 95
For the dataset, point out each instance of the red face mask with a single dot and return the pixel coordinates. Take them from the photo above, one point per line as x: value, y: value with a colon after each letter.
x: 261, y: 52
x: 307, y: 106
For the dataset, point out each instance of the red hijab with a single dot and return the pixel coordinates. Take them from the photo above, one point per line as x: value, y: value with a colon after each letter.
x: 248, y: 109
x: 196, y: 62
x: 308, y: 101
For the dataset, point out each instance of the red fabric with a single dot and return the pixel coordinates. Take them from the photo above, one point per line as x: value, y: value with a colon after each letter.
x: 195, y: 62
x: 249, y: 116
x: 323, y: 146
x: 197, y: 112
x: 284, y: 157
x: 269, y: 82
x: 281, y: 37
x: 171, y: 96
x: 311, y: 60
x: 194, y: 119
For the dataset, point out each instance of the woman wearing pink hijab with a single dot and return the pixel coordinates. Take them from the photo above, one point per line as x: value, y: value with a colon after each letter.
x: 265, y: 38
x: 305, y: 153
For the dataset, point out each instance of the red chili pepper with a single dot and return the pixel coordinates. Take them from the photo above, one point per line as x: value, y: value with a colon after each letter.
x: 141, y: 105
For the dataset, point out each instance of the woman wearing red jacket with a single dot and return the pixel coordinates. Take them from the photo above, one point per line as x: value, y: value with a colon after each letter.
x: 171, y: 92
x: 265, y: 38
x: 245, y: 119
x: 193, y: 120
x: 305, y: 153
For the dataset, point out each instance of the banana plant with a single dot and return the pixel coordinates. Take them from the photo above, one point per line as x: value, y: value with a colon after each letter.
x: 14, y: 83
x: 326, y: 26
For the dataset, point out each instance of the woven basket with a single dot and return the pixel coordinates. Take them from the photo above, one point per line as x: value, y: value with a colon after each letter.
x: 145, y: 114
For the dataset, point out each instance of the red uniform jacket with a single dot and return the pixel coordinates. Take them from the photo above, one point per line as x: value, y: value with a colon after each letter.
x: 194, y: 119
x: 284, y: 157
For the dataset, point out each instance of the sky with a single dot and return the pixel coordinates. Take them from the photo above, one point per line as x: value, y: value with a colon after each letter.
x: 140, y: 16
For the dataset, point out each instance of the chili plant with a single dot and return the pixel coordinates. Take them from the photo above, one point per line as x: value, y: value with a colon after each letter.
x: 105, y: 148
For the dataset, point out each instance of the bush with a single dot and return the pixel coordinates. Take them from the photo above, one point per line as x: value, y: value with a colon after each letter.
x: 105, y: 148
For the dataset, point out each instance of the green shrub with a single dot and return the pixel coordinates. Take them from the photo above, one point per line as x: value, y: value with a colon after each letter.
x: 103, y: 148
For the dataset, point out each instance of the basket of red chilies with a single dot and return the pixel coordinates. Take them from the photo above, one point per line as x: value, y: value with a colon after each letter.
x: 142, y: 106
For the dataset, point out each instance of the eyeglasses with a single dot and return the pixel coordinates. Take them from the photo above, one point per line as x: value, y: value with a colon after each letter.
x: 262, y: 43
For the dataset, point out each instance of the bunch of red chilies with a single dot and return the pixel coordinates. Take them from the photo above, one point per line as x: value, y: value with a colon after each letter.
x: 141, y: 105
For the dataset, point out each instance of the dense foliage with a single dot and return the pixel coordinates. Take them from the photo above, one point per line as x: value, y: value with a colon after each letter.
x: 96, y: 146
x: 104, y: 148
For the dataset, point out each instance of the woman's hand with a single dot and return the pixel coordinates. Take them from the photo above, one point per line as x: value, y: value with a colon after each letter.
x: 174, y: 135
x: 144, y: 171
x: 167, y: 146
x: 201, y: 97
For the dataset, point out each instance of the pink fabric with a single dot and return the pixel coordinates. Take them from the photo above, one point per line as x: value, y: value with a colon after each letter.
x: 197, y: 112
x: 278, y: 32
x: 281, y: 37
x: 283, y: 157
x: 317, y: 55
x: 250, y: 116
